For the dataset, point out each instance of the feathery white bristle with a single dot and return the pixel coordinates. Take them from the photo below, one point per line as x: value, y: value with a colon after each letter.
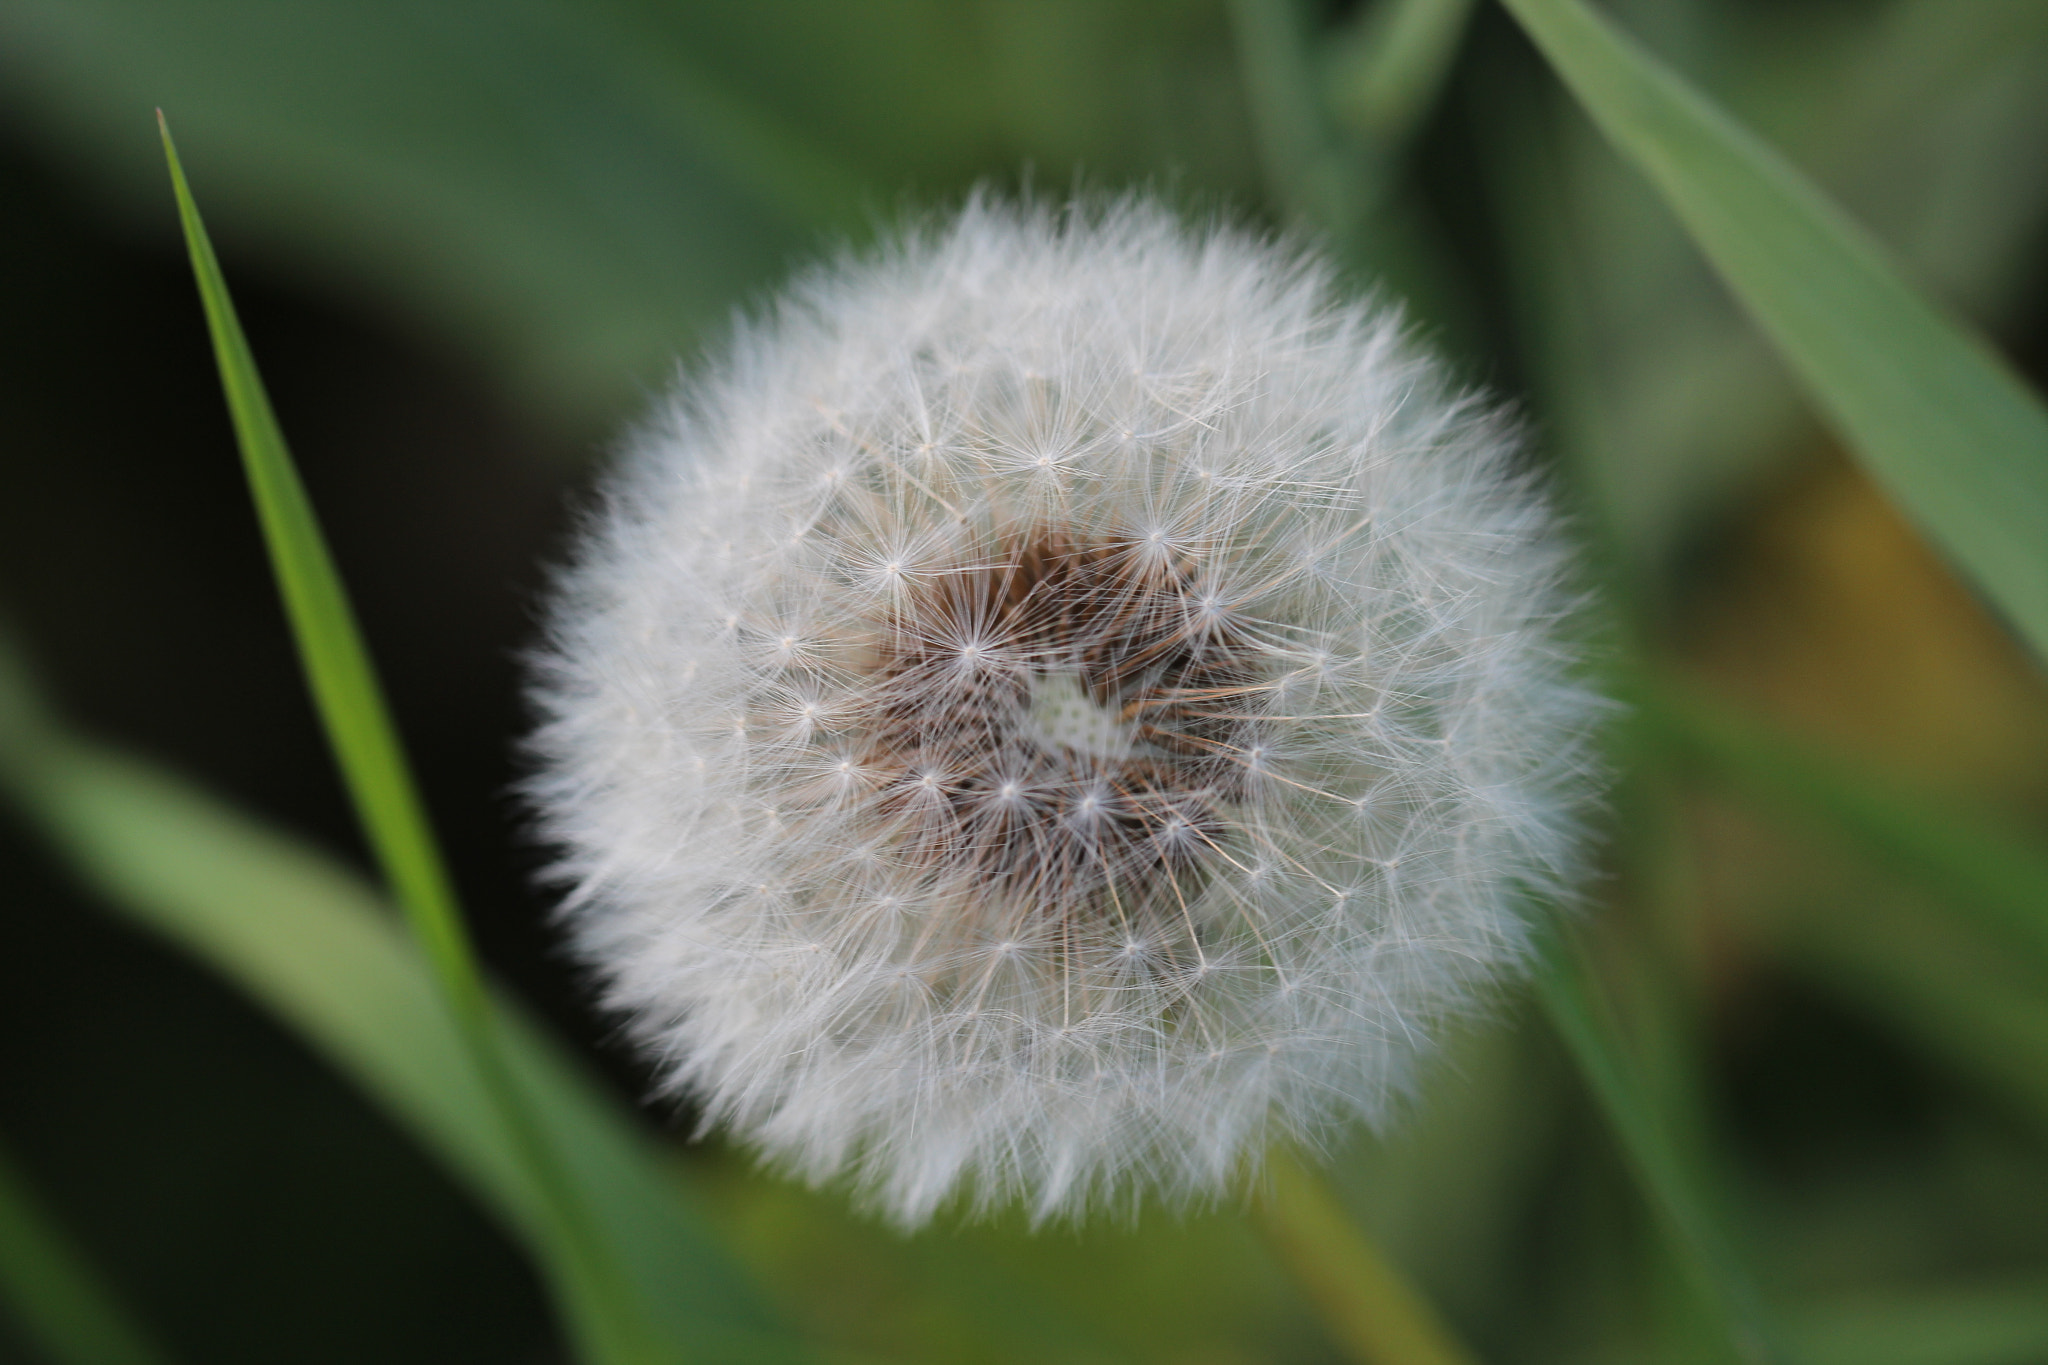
x: 1066, y: 700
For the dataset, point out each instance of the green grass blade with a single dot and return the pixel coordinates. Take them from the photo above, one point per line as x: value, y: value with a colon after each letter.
x: 1295, y: 146
x: 1331, y: 126
x: 337, y: 665
x: 54, y: 1295
x: 1673, y: 1188
x: 1388, y: 71
x: 608, y: 1318
x: 314, y: 944
x: 1944, y: 424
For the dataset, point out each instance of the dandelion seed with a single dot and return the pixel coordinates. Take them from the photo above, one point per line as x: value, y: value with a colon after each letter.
x: 1179, y: 702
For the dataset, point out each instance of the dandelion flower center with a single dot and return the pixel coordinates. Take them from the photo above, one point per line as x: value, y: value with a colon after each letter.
x: 1092, y: 739
x: 1061, y: 715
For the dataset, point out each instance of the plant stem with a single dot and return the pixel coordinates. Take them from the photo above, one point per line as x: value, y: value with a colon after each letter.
x: 1679, y: 1195
x: 1369, y: 1307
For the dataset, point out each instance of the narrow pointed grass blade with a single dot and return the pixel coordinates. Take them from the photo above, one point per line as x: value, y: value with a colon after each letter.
x: 1690, y: 1218
x: 336, y: 663
x: 59, y: 1302
x: 318, y: 947
x: 605, y: 1312
x: 1945, y: 425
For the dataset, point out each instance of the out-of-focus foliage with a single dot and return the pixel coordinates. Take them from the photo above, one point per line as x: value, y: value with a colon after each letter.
x: 580, y: 188
x: 476, y: 235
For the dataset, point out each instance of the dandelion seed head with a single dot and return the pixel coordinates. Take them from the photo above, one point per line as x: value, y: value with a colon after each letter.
x: 1110, y: 695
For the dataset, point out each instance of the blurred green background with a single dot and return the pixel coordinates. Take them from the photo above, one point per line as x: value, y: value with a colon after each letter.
x: 470, y: 241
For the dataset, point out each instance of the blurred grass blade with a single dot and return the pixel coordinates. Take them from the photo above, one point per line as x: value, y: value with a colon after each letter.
x: 54, y: 1295
x: 1368, y: 1307
x: 1387, y: 72
x: 1938, y: 417
x: 318, y: 947
x: 1296, y: 149
x: 1993, y: 876
x: 1331, y: 132
x: 1673, y: 1189
x: 609, y: 1320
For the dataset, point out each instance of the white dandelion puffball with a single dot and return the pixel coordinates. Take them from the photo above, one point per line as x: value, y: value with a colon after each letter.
x: 1066, y: 699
